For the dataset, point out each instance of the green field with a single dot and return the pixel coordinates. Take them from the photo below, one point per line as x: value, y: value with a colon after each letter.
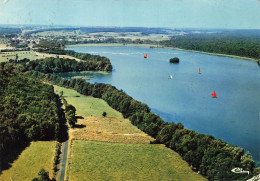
x: 56, y: 33
x: 5, y: 56
x: 113, y: 149
x: 38, y: 155
x: 87, y: 105
x: 92, y: 160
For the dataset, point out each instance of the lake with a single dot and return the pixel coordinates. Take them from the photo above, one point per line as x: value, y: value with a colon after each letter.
x: 234, y: 116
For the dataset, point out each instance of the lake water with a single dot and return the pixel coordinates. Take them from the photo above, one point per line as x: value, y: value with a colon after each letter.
x: 234, y: 116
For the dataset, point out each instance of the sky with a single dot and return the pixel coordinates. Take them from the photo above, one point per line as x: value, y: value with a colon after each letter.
x: 228, y: 14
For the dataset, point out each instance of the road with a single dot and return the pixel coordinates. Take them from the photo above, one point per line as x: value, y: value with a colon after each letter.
x: 63, y: 161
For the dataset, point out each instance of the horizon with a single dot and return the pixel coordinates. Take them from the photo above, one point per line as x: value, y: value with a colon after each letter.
x: 178, y: 14
x: 79, y: 26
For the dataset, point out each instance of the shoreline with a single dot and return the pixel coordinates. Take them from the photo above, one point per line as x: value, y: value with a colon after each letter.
x: 158, y: 46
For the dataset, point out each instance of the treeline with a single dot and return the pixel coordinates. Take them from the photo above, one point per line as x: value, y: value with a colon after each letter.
x: 245, y: 46
x: 4, y: 31
x: 112, y: 40
x: 16, y: 49
x: 117, y: 99
x: 50, y: 45
x: 102, y: 63
x: 29, y: 110
x: 143, y: 30
x: 58, y: 65
x: 70, y: 113
x: 212, y: 157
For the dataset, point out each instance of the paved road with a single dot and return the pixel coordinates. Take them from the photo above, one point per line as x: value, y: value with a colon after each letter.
x: 63, y: 161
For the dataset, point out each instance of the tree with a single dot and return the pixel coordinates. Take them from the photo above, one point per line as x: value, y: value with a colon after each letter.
x: 43, y: 176
x: 247, y: 161
x: 104, y: 114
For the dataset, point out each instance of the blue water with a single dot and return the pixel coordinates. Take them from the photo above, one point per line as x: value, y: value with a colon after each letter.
x: 234, y: 116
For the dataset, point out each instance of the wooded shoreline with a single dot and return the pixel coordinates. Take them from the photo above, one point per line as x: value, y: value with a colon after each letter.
x: 158, y: 46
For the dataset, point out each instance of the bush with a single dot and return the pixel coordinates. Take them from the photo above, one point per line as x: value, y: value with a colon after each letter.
x: 104, y: 114
x: 43, y: 176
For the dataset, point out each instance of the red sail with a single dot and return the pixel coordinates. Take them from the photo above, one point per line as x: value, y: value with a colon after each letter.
x: 199, y: 70
x: 214, y: 94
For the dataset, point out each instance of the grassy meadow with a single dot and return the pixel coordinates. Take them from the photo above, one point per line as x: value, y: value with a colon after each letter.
x: 32, y: 55
x: 38, y: 155
x: 92, y: 160
x: 87, y: 105
x: 111, y: 148
x: 5, y: 56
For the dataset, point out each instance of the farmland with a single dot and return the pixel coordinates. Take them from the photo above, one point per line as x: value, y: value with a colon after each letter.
x: 38, y: 155
x: 32, y: 55
x: 87, y: 105
x: 111, y: 148
x: 118, y: 161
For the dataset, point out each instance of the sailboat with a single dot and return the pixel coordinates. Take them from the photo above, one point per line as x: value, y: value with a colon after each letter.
x: 145, y: 56
x: 170, y: 76
x: 214, y: 95
x: 199, y: 71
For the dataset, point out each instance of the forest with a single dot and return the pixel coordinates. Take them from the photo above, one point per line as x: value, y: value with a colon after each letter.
x: 94, y: 62
x: 29, y: 111
x: 239, y: 43
x: 58, y: 65
x: 211, y: 157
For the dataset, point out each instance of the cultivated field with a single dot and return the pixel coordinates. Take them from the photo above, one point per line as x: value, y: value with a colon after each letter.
x: 3, y: 46
x: 92, y: 160
x: 115, y: 130
x: 5, y: 56
x: 55, y: 33
x: 38, y: 155
x: 112, y: 148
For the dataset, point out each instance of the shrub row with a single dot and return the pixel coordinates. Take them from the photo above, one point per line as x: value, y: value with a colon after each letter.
x: 56, y: 157
x: 70, y: 113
